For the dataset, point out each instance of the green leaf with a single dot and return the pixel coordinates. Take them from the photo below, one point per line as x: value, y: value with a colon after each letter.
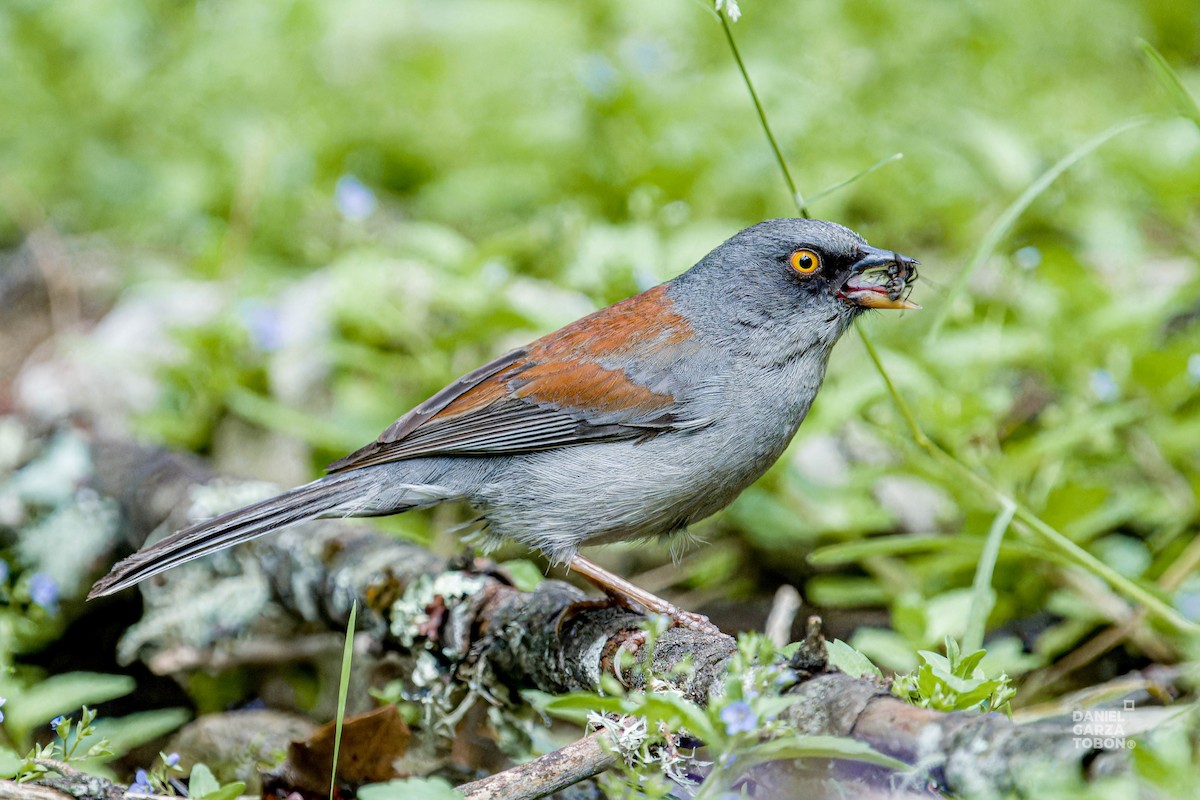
x: 1184, y: 102
x: 201, y: 782
x: 525, y: 574
x: 675, y: 711
x: 227, y: 792
x: 799, y: 746
x: 61, y: 694
x: 10, y: 762
x: 411, y: 789
x: 967, y: 664
x: 850, y: 661
x: 133, y: 730
x: 576, y: 707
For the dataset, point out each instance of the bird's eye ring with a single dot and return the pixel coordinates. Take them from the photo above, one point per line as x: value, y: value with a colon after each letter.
x: 805, y: 262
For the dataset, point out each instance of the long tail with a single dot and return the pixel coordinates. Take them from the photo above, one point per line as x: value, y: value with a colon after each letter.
x: 297, y: 505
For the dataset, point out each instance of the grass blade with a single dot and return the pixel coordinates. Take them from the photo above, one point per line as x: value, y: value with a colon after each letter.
x: 797, y: 198
x: 1184, y: 102
x: 343, y: 690
x: 883, y: 162
x: 1051, y: 537
x: 1004, y: 224
x: 982, y: 596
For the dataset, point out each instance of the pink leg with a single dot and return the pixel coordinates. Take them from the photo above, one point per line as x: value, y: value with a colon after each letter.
x: 637, y: 599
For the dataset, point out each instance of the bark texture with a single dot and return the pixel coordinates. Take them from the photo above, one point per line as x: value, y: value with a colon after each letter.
x: 460, y: 630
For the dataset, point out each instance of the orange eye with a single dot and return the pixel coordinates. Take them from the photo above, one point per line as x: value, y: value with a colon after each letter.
x: 805, y: 261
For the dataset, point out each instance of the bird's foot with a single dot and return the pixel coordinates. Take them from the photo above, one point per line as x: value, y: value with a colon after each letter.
x: 639, y: 600
x: 693, y: 622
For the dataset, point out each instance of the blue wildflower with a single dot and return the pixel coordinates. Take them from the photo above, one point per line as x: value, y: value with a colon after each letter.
x: 3, y: 700
x: 141, y: 784
x: 354, y: 200
x: 1104, y: 386
x: 54, y: 723
x: 264, y: 324
x: 739, y: 717
x: 786, y: 677
x: 5, y: 571
x: 43, y: 590
x: 171, y: 760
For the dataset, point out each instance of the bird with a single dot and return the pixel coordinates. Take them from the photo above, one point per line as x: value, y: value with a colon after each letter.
x: 633, y: 422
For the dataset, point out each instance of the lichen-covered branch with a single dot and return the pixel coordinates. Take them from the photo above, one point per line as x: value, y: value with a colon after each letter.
x: 461, y: 630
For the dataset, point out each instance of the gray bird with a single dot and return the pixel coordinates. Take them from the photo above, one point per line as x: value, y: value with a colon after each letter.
x: 635, y: 421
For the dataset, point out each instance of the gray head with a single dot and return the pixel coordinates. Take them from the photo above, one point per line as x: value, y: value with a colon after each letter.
x: 800, y: 281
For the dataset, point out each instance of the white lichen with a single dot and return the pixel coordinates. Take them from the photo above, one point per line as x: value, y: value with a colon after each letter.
x: 410, y: 611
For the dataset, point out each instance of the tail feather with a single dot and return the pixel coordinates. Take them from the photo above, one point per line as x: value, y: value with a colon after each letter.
x: 297, y: 505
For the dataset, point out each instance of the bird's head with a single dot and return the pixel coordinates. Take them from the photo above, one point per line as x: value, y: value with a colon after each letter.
x: 802, y: 279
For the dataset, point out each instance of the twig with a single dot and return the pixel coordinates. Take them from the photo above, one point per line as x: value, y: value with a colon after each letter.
x: 243, y: 652
x: 491, y: 638
x: 778, y: 627
x: 11, y: 790
x: 547, y: 774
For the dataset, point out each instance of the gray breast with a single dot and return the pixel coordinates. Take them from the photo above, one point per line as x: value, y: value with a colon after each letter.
x: 557, y: 500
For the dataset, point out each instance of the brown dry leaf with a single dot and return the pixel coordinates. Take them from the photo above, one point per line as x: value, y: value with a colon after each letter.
x: 371, y: 743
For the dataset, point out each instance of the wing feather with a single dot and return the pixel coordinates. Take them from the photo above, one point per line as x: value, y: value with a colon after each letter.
x: 608, y: 376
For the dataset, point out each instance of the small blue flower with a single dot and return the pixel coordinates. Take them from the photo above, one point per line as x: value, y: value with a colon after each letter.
x: 599, y: 76
x: 354, y: 200
x: 43, y: 590
x: 1028, y: 257
x: 786, y: 677
x: 739, y: 717
x: 141, y: 784
x: 172, y: 760
x: 4, y: 571
x: 3, y: 700
x: 1104, y: 386
x: 54, y: 723
x: 264, y: 324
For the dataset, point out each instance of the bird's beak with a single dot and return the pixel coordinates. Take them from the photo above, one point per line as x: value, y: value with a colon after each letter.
x: 880, y: 279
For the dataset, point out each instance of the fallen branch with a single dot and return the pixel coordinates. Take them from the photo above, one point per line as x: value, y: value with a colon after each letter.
x: 576, y: 762
x: 462, y: 631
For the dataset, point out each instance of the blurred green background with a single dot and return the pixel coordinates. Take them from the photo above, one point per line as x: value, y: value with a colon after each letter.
x: 322, y: 212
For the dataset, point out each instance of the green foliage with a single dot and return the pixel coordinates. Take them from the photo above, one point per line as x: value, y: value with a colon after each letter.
x: 70, y: 735
x: 124, y: 734
x: 848, y: 660
x: 740, y: 728
x: 519, y: 164
x: 202, y: 785
x: 30, y: 707
x: 425, y: 788
x: 954, y: 682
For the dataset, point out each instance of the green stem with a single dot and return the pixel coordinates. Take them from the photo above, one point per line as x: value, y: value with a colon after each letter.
x: 982, y: 597
x: 1056, y: 540
x: 914, y: 427
x: 1051, y: 536
x: 797, y: 198
x: 1008, y: 219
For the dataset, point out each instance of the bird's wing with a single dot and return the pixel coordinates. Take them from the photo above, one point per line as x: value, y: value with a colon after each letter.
x: 612, y: 375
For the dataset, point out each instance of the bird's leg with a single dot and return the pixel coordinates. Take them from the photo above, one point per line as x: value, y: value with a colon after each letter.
x: 637, y: 599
